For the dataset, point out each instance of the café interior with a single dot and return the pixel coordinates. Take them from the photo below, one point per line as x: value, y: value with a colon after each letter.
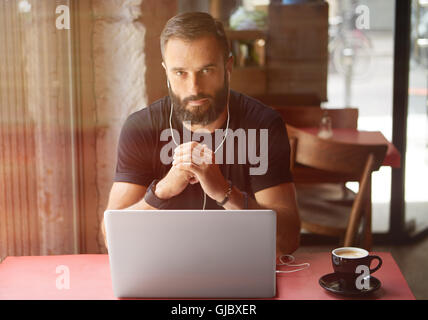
x: 349, y: 78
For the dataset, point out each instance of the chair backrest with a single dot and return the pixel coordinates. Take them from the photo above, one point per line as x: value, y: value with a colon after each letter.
x: 310, y: 116
x: 338, y: 157
x: 289, y: 99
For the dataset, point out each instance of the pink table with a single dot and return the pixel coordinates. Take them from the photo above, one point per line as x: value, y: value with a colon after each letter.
x: 392, y: 157
x: 35, y: 277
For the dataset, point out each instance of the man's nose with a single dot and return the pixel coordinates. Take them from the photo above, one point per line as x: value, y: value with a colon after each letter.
x: 194, y: 84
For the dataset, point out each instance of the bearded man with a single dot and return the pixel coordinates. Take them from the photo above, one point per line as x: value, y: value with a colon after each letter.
x: 194, y: 174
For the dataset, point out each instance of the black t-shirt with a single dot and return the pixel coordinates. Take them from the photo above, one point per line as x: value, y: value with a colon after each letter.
x: 255, y: 155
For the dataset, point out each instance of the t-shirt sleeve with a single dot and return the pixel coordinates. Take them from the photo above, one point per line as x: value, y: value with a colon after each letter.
x: 134, y: 157
x: 278, y: 158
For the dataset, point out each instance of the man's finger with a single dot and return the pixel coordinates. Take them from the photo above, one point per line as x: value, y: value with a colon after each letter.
x: 193, y: 168
x: 185, y: 147
x: 193, y: 180
x: 189, y: 159
x: 195, y: 157
x: 183, y: 157
x: 201, y: 149
x: 208, y: 155
x: 198, y: 154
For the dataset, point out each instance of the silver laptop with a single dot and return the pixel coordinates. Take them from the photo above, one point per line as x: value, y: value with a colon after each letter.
x: 192, y: 253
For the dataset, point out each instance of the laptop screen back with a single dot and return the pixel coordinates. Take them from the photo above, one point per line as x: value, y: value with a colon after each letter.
x: 192, y: 253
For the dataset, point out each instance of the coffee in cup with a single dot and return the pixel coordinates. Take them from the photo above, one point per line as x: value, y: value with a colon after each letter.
x: 352, y: 265
x: 350, y: 253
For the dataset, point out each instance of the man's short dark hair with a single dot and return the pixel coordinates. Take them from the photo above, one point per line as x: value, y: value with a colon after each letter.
x: 194, y: 25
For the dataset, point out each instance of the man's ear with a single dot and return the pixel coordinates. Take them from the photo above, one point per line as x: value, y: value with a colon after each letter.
x: 166, y: 75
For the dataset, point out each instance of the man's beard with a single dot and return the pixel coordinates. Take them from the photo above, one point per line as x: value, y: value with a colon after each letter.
x: 203, y: 114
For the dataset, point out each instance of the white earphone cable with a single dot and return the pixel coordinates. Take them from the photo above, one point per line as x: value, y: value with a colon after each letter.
x: 289, y: 264
x: 224, y: 137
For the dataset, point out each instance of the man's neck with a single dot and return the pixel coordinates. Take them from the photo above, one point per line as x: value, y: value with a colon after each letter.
x: 209, y: 127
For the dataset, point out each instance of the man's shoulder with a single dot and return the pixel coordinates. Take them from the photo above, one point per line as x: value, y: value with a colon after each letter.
x: 254, y: 112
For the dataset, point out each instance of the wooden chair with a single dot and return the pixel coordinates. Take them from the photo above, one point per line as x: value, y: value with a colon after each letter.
x: 356, y: 162
x: 310, y: 116
x: 289, y: 99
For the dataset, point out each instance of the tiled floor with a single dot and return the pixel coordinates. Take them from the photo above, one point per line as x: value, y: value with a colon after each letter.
x: 412, y: 260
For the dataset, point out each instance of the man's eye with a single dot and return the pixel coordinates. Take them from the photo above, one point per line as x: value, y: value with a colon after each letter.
x: 206, y: 71
x: 179, y: 73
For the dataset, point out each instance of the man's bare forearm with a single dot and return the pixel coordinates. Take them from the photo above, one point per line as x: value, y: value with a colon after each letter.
x: 288, y: 223
x: 140, y: 205
x: 288, y: 231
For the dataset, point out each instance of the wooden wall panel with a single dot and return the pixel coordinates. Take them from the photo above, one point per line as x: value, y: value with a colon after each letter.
x: 18, y: 202
x: 48, y: 71
x: 119, y: 85
x: 154, y: 15
x: 297, y: 49
x: 64, y: 95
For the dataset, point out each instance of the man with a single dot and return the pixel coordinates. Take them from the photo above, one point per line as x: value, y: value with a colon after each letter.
x: 158, y: 168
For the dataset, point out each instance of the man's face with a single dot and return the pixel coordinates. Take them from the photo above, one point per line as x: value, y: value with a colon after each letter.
x: 198, y: 77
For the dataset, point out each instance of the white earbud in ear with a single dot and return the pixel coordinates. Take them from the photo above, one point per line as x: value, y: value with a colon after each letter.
x: 167, y: 81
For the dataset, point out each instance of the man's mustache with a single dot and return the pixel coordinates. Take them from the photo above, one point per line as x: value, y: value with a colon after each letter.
x: 196, y: 98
